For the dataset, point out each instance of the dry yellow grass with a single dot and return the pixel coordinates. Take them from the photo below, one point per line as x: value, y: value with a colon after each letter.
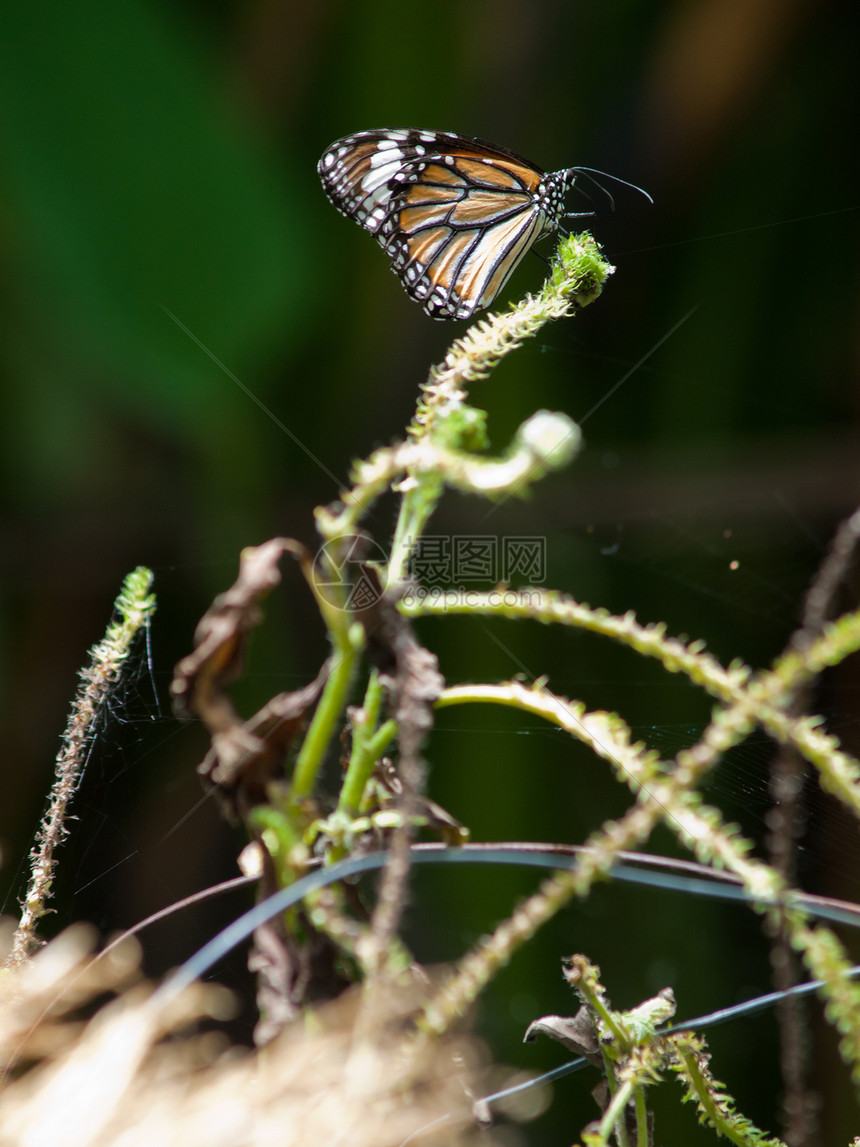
x: 127, y: 1074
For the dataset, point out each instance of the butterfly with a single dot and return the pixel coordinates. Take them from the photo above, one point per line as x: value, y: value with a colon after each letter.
x: 455, y: 215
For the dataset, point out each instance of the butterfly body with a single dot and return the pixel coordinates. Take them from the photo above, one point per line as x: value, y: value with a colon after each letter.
x: 455, y: 215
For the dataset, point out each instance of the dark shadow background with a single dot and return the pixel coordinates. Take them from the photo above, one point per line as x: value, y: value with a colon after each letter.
x: 164, y: 245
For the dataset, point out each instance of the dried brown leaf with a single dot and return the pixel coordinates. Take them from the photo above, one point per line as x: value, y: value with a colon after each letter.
x: 246, y: 755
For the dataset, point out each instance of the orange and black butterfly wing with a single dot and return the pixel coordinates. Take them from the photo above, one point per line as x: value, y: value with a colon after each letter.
x: 457, y: 227
x: 357, y: 171
x: 455, y: 215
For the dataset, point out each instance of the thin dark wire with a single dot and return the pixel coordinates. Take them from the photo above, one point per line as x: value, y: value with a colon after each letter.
x: 203, y: 960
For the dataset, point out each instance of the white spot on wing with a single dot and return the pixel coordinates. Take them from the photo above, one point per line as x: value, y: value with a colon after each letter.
x: 374, y: 183
x: 382, y: 158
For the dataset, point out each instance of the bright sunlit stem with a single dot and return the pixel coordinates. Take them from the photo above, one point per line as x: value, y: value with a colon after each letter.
x: 641, y: 1118
x: 613, y: 1117
x: 348, y: 642
x: 368, y: 745
x: 415, y: 510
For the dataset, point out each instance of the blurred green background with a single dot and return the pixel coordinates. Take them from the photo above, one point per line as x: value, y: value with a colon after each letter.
x: 165, y: 248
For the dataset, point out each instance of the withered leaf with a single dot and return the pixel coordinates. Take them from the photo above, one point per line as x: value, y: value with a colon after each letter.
x: 245, y: 758
x: 245, y: 755
x: 451, y: 831
x: 576, y: 1033
x: 219, y: 640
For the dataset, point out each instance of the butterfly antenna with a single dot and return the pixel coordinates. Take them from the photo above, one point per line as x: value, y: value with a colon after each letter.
x: 590, y: 172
